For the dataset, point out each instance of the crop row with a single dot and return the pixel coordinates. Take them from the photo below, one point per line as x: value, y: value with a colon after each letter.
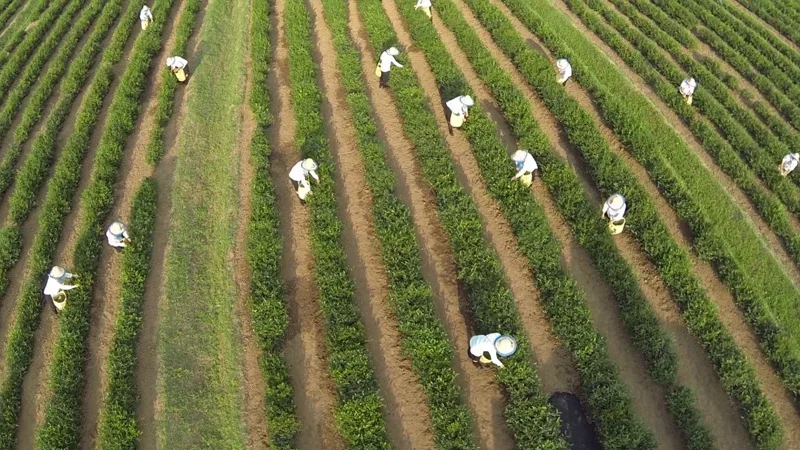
x: 644, y: 133
x: 60, y: 190
x: 358, y: 411
x: 786, y: 360
x: 563, y: 184
x: 16, y: 31
x: 11, y: 7
x: 424, y: 339
x: 769, y: 14
x: 264, y: 248
x: 166, y: 93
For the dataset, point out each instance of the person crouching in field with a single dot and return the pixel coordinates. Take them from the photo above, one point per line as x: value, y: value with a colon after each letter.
x: 178, y: 66
x: 146, y: 17
x: 457, y: 111
x: 525, y: 165
x: 57, y: 286
x: 564, y: 71
x: 117, y: 235
x: 299, y: 176
x: 426, y: 6
x: 385, y: 65
x: 687, y: 89
x: 789, y: 163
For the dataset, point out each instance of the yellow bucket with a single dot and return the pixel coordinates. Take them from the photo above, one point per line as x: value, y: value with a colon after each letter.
x: 180, y: 74
x: 616, y: 226
x: 378, y: 70
x: 456, y: 120
x: 526, y: 179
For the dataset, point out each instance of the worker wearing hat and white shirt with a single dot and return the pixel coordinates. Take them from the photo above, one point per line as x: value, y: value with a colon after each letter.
x: 426, y: 7
x: 564, y: 71
x: 385, y: 65
x: 614, y: 209
x: 178, y: 67
x: 117, y: 235
x: 299, y: 176
x: 57, y: 286
x: 789, y: 163
x: 525, y: 165
x: 146, y: 16
x: 481, y: 345
x: 687, y: 89
x: 458, y: 111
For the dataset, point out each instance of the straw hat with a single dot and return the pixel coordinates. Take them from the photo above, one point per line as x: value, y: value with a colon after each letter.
x: 505, y: 345
x: 393, y: 51
x: 616, y: 201
x: 308, y: 164
x: 519, y: 155
x: 796, y: 156
x: 116, y: 228
x: 692, y: 82
x: 562, y: 63
x: 57, y: 272
x: 170, y: 61
x: 467, y: 100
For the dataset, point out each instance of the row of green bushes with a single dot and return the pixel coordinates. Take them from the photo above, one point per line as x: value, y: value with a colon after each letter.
x: 11, y: 8
x: 424, y: 340
x: 169, y: 84
x: 563, y: 184
x: 264, y: 247
x: 16, y: 31
x: 57, y: 204
x: 358, y: 412
x: 630, y: 118
x: 753, y: 24
x: 767, y: 11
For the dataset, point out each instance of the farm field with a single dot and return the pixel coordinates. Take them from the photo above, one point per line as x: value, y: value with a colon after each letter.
x: 239, y: 317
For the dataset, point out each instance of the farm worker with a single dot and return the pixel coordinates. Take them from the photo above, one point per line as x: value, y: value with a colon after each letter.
x: 146, y: 16
x: 458, y: 110
x: 117, y: 235
x: 299, y: 176
x: 481, y: 345
x: 687, y: 89
x: 564, y: 71
x: 614, y: 209
x: 57, y: 286
x: 178, y: 67
x: 426, y: 7
x: 526, y: 165
x: 385, y: 65
x: 789, y: 163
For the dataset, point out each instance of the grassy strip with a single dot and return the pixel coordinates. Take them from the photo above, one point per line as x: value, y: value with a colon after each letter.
x: 11, y: 7
x: 532, y: 421
x: 60, y: 190
x: 590, y: 230
x: 264, y: 248
x: 350, y: 366
x: 630, y: 118
x: 61, y: 427
x: 166, y: 94
x: 424, y: 339
x: 117, y: 419
x: 769, y: 14
x: 16, y: 31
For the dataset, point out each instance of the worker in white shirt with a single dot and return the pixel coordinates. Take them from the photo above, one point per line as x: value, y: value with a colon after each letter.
x: 178, y: 66
x: 482, y: 349
x: 299, y: 176
x: 458, y: 111
x: 564, y: 71
x: 614, y: 209
x: 385, y: 65
x: 426, y: 7
x: 117, y: 235
x: 687, y: 89
x: 789, y: 163
x: 57, y: 286
x: 525, y: 165
x: 146, y: 16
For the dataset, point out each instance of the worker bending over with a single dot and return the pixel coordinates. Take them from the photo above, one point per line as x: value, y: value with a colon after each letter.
x: 614, y: 209
x: 426, y: 7
x: 146, y: 16
x: 687, y: 89
x: 526, y: 165
x: 385, y: 65
x: 458, y: 111
x: 564, y: 71
x: 789, y: 163
x: 57, y: 286
x: 299, y: 176
x: 117, y: 235
x: 178, y: 66
x: 482, y: 349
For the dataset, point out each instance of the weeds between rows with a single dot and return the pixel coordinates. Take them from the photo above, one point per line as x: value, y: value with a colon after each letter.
x: 358, y: 411
x: 632, y: 125
x: 60, y: 190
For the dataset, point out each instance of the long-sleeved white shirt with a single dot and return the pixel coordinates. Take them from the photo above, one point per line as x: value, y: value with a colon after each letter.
x: 54, y: 286
x: 526, y: 166
x: 566, y: 71
x: 686, y: 88
x: 485, y: 343
x: 178, y: 63
x: 145, y: 14
x: 117, y: 241
x: 789, y: 162
x: 612, y: 213
x: 457, y: 106
x: 299, y: 174
x: 423, y: 4
x: 386, y: 62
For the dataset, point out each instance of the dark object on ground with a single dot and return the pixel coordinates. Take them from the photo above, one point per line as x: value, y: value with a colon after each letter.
x: 575, y: 426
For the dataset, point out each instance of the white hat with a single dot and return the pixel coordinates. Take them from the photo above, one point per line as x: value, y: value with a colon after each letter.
x: 519, y: 155
x: 170, y: 61
x: 393, y: 51
x: 616, y: 201
x: 692, y: 82
x: 467, y: 100
x: 309, y: 164
x: 57, y: 272
x: 562, y: 63
x: 796, y: 156
x: 505, y: 346
x: 116, y: 228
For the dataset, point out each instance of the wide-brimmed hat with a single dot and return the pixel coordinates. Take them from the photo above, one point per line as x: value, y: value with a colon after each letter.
x: 393, y: 51
x: 692, y: 82
x: 467, y: 100
x: 57, y: 272
x: 616, y: 201
x: 519, y: 155
x: 308, y: 164
x: 505, y: 346
x: 170, y: 61
x: 117, y: 228
x: 796, y: 156
x: 562, y: 63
